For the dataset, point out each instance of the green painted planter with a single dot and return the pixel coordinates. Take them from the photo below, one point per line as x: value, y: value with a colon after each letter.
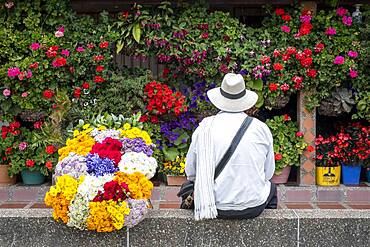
x: 32, y: 177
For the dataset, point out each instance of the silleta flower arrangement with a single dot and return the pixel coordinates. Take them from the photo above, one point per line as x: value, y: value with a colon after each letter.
x: 102, y: 178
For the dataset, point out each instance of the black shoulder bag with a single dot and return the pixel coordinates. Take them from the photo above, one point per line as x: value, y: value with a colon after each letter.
x: 187, y: 189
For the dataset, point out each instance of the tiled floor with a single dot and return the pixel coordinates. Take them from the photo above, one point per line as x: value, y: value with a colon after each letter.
x: 175, y: 205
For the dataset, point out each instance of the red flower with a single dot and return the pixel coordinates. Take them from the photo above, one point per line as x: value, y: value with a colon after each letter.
x: 311, y: 73
x: 98, y: 79
x: 204, y: 35
x: 223, y: 68
x: 286, y: 117
x: 306, y: 62
x: 307, y: 52
x: 278, y: 156
x: 30, y: 163
x: 37, y: 125
x: 50, y: 149
x: 98, y: 58
x: 59, y: 62
x: 279, y: 11
x: 319, y: 47
x: 299, y: 134
x: 8, y: 150
x: 85, y: 85
x: 278, y: 66
x: 48, y: 94
x: 305, y: 29
x: 109, y: 148
x: 104, y: 44
x: 165, y: 72
x: 154, y: 119
x: 77, y: 92
x: 285, y: 87
x: 265, y: 59
x: 71, y: 69
x: 34, y: 65
x: 49, y: 165
x: 90, y: 45
x: 99, y: 68
x: 285, y: 57
x: 276, y: 53
x: 286, y: 17
x: 273, y: 87
x: 112, y: 191
x: 310, y: 149
x: 291, y: 50
x: 143, y: 119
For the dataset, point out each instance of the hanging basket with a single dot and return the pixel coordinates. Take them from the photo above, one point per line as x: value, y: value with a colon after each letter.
x: 341, y: 101
x: 31, y: 116
x: 277, y: 103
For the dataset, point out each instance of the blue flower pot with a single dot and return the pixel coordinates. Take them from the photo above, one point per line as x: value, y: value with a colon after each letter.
x: 368, y: 175
x: 351, y: 174
x: 32, y: 177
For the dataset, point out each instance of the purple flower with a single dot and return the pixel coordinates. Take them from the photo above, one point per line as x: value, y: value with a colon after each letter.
x: 73, y: 165
x: 6, y: 92
x: 305, y: 18
x: 339, y: 60
x: 66, y: 52
x: 353, y: 73
x: 352, y: 53
x: 138, y: 209
x: 99, y: 167
x: 80, y: 49
x: 22, y: 146
x: 330, y: 31
x: 136, y: 145
x: 347, y: 20
x: 35, y: 46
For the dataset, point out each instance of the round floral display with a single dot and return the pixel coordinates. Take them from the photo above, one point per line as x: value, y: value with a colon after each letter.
x: 102, y: 178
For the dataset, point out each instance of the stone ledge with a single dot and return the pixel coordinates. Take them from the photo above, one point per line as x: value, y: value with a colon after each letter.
x: 177, y: 228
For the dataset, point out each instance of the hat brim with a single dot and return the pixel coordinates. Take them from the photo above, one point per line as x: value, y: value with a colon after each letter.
x: 232, y: 105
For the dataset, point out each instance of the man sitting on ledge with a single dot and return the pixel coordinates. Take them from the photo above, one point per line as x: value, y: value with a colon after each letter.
x: 242, y: 188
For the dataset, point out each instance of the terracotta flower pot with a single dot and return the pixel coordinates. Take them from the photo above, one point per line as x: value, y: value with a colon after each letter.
x: 175, y: 180
x: 4, y: 177
x: 283, y: 177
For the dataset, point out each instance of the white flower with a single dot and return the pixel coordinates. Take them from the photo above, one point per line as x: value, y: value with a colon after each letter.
x: 100, y: 135
x: 59, y: 34
x: 91, y: 185
x: 138, y: 162
x: 78, y: 212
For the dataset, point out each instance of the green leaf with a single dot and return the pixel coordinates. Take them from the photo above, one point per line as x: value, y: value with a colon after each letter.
x: 180, y: 138
x: 119, y: 46
x: 136, y: 32
x: 170, y: 153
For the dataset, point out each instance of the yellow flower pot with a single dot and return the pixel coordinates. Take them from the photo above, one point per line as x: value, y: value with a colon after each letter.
x: 328, y: 176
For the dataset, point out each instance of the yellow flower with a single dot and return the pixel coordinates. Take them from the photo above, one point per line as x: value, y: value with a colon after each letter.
x: 85, y: 126
x: 127, y: 126
x: 102, y: 127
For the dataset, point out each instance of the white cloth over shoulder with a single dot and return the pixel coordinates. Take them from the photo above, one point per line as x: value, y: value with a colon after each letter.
x: 244, y: 183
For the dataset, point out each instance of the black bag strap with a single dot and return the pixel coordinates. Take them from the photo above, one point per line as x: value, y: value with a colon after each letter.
x: 235, y: 142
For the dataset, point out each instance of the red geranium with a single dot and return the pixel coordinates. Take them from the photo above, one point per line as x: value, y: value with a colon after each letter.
x: 104, y: 44
x: 59, y: 62
x: 98, y: 58
x: 306, y: 62
x: 286, y: 17
x: 30, y: 163
x: 99, y: 68
x: 49, y: 165
x: 279, y: 11
x: 99, y: 79
x: 48, y: 94
x: 77, y: 92
x: 278, y: 66
x: 286, y: 117
x: 34, y: 65
x: 273, y: 87
x: 278, y: 156
x: 311, y: 73
x: 50, y: 149
x: 85, y: 85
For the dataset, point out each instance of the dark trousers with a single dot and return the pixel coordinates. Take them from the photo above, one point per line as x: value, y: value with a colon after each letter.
x: 271, y: 203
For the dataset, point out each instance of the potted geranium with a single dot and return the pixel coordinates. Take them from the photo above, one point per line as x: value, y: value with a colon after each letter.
x: 9, y: 134
x: 288, y: 146
x: 355, y: 141
x: 328, y: 157
x: 32, y: 157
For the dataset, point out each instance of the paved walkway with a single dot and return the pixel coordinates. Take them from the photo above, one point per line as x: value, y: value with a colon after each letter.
x: 290, y: 196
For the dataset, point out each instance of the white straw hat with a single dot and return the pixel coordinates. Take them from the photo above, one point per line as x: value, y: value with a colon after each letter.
x: 232, y: 95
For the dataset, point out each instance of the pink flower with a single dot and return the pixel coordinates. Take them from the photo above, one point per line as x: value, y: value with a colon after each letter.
x: 330, y: 31
x: 299, y: 134
x: 80, y: 49
x: 35, y: 46
x: 6, y: 92
x: 284, y: 87
x: 24, y: 95
x: 341, y: 11
x: 305, y: 18
x: 65, y: 53
x: 339, y: 60
x: 347, y: 20
x: 352, y: 53
x: 285, y: 28
x: 22, y: 146
x: 353, y: 73
x: 9, y: 5
x: 60, y: 32
x: 29, y: 74
x: 13, y: 72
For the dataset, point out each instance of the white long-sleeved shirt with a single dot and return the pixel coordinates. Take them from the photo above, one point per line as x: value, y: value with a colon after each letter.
x: 244, y: 182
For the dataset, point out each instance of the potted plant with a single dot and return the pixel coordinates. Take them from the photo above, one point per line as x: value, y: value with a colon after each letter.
x: 288, y: 146
x: 9, y: 133
x: 175, y: 171
x: 355, y: 142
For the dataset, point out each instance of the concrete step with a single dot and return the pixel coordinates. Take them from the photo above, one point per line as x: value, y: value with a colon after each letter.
x: 317, y: 227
